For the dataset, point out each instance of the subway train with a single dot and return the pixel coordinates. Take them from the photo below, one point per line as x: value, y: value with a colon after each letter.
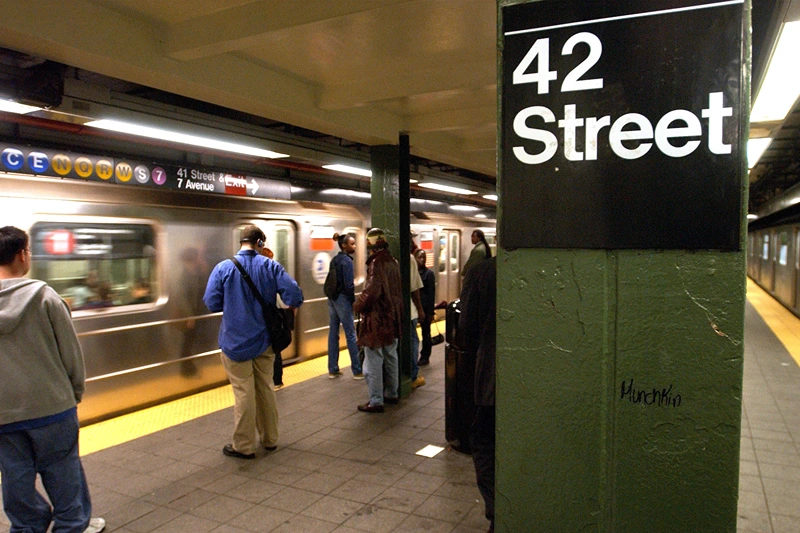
x: 773, y: 262
x: 133, y: 264
x: 773, y: 249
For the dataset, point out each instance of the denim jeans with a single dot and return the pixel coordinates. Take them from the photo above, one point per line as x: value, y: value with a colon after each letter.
x: 52, y: 451
x: 381, y: 372
x: 414, y: 350
x: 341, y: 311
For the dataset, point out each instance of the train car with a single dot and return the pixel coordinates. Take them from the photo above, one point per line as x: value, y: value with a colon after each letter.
x: 773, y: 262
x: 773, y: 249
x: 133, y: 264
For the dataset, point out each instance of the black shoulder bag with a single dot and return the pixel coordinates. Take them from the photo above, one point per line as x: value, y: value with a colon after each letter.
x: 280, y: 334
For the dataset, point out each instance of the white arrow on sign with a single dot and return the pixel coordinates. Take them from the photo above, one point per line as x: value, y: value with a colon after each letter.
x: 253, y: 185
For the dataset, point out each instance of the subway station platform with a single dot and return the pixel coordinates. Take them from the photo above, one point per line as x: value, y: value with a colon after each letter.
x: 339, y: 470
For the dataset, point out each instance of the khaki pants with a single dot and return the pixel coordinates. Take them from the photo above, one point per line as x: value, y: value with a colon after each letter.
x: 254, y: 396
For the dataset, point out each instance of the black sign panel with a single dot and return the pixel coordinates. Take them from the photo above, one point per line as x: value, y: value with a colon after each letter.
x: 84, y: 167
x: 622, y: 125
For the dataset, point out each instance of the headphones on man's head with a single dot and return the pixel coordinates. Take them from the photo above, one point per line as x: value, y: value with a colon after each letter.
x: 259, y: 242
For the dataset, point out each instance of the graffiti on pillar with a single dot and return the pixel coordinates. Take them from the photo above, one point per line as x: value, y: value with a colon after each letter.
x: 663, y: 397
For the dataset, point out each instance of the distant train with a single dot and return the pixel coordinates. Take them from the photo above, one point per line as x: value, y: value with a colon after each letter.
x: 133, y: 264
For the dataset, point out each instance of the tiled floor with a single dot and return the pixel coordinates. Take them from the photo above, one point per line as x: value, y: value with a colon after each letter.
x: 769, y: 480
x: 336, y: 469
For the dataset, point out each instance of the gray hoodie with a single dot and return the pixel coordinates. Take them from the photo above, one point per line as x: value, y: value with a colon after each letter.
x: 40, y: 359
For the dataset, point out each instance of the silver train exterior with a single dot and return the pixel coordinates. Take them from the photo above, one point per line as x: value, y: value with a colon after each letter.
x: 133, y: 263
x: 773, y: 261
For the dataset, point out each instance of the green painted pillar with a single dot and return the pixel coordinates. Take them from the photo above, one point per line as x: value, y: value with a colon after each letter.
x: 619, y: 383
x: 389, y: 187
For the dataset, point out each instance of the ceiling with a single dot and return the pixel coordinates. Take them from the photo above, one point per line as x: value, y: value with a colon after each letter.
x: 360, y: 70
x: 355, y: 69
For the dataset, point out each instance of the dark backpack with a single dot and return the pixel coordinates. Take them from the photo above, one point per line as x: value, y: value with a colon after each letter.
x: 331, y: 287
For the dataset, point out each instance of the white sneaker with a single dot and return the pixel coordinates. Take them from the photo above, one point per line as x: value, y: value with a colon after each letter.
x: 96, y: 525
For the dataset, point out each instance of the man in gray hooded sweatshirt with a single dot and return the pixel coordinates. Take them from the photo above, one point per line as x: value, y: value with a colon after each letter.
x: 43, y: 380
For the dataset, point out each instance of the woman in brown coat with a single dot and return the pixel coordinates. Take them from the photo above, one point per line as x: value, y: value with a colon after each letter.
x: 380, y: 305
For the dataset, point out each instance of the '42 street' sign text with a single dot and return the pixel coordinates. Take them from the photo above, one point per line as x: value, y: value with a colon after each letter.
x: 622, y: 124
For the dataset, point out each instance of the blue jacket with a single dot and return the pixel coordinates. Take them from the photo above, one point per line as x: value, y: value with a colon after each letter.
x: 243, y: 333
x: 343, y: 264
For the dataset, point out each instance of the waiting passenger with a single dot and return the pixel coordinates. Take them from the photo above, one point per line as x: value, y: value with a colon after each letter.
x: 428, y: 298
x: 247, y: 355
x: 44, y: 379
x: 479, y: 252
x: 477, y: 327
x: 381, y: 307
x: 417, y: 314
x: 277, y: 370
x: 340, y: 308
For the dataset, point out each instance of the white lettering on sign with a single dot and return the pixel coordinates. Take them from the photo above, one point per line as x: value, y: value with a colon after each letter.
x: 200, y: 175
x: 630, y: 136
x: 197, y: 186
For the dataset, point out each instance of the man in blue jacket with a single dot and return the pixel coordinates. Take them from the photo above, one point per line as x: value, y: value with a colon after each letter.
x: 246, y: 352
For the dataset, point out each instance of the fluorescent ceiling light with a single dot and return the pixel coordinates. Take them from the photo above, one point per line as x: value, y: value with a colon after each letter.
x: 446, y: 188
x: 421, y: 201
x: 14, y: 107
x: 480, y: 215
x: 751, y: 216
x: 412, y: 180
x: 756, y: 147
x: 490, y: 197
x: 781, y: 85
x: 465, y: 208
x: 349, y: 170
x: 182, y: 138
x: 347, y: 192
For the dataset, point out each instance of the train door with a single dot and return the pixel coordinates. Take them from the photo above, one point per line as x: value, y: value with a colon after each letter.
x: 280, y: 241
x: 448, y: 284
x: 796, y: 265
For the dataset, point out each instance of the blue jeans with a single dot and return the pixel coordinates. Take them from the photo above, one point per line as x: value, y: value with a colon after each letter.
x: 381, y: 372
x: 414, y: 350
x: 341, y: 311
x: 52, y: 451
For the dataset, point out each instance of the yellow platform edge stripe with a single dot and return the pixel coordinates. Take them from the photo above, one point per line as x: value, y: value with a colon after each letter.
x: 783, y: 323
x: 125, y: 428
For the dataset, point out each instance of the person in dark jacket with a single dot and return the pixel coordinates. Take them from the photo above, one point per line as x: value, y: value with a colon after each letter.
x: 340, y: 309
x: 428, y: 297
x: 381, y: 306
x: 479, y: 252
x: 478, y: 329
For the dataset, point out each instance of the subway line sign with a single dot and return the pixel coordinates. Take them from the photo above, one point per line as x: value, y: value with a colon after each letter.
x: 86, y: 167
x: 622, y: 125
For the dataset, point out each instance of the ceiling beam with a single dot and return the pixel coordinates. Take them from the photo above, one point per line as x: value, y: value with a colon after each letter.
x: 243, y: 26
x: 453, y: 119
x: 467, y: 76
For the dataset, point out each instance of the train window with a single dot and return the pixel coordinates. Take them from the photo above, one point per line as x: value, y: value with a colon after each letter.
x: 492, y: 240
x: 280, y: 241
x: 783, y: 251
x: 765, y: 249
x: 454, y: 249
x: 359, y: 267
x: 96, y: 265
